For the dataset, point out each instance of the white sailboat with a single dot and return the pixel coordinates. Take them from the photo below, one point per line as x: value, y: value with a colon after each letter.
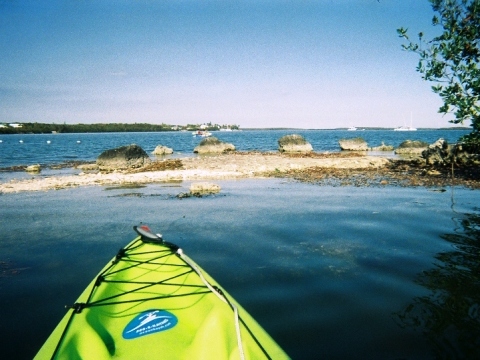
x: 406, y: 128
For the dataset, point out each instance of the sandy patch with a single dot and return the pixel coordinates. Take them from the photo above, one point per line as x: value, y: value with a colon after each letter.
x: 229, y: 166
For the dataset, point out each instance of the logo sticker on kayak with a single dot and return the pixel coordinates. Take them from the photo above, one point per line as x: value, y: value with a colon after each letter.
x: 149, y: 322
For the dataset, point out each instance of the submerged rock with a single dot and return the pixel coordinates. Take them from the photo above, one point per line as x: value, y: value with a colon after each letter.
x: 122, y: 158
x: 204, y: 188
x: 200, y: 189
x: 211, y: 145
x: 162, y: 150
x: 355, y: 144
x: 33, y: 168
x: 294, y: 143
x: 87, y: 167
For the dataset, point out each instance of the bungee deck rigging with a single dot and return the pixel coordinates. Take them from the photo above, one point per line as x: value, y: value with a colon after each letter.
x: 152, y: 299
x: 123, y: 255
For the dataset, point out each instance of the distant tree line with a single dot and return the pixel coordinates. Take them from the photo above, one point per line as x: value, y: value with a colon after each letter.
x: 42, y: 128
x: 39, y: 128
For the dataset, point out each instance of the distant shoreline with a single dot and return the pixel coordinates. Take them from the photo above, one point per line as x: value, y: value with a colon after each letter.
x: 41, y: 128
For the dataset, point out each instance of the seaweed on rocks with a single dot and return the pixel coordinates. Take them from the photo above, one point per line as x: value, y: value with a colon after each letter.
x: 396, y: 173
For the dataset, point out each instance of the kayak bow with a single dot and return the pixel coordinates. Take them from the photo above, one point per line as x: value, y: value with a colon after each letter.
x: 152, y: 301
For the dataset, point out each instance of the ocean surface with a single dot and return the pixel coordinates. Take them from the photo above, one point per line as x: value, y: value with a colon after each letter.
x: 49, y: 149
x: 334, y: 272
x: 329, y: 272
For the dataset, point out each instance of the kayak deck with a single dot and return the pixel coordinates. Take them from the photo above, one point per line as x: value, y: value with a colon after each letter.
x: 152, y: 301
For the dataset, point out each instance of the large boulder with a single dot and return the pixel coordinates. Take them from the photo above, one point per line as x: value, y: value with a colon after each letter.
x: 211, y: 145
x: 122, y: 158
x: 294, y: 143
x: 466, y: 154
x: 162, y: 150
x: 437, y: 153
x: 411, y: 147
x: 355, y: 144
x: 441, y: 154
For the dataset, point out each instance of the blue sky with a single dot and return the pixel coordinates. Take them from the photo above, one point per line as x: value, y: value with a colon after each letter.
x: 255, y: 63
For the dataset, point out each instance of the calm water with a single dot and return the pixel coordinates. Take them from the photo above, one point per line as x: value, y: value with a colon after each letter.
x: 330, y: 272
x: 34, y: 149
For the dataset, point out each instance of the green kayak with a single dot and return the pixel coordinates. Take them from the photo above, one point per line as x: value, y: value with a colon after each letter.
x: 153, y: 302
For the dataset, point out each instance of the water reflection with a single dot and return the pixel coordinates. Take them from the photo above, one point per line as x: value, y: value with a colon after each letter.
x: 449, y: 316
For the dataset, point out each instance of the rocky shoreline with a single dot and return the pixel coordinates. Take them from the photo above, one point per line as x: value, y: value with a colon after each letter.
x: 337, y: 169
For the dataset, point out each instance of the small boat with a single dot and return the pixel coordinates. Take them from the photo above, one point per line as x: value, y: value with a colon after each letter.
x: 352, y: 128
x: 202, y: 133
x: 152, y: 301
